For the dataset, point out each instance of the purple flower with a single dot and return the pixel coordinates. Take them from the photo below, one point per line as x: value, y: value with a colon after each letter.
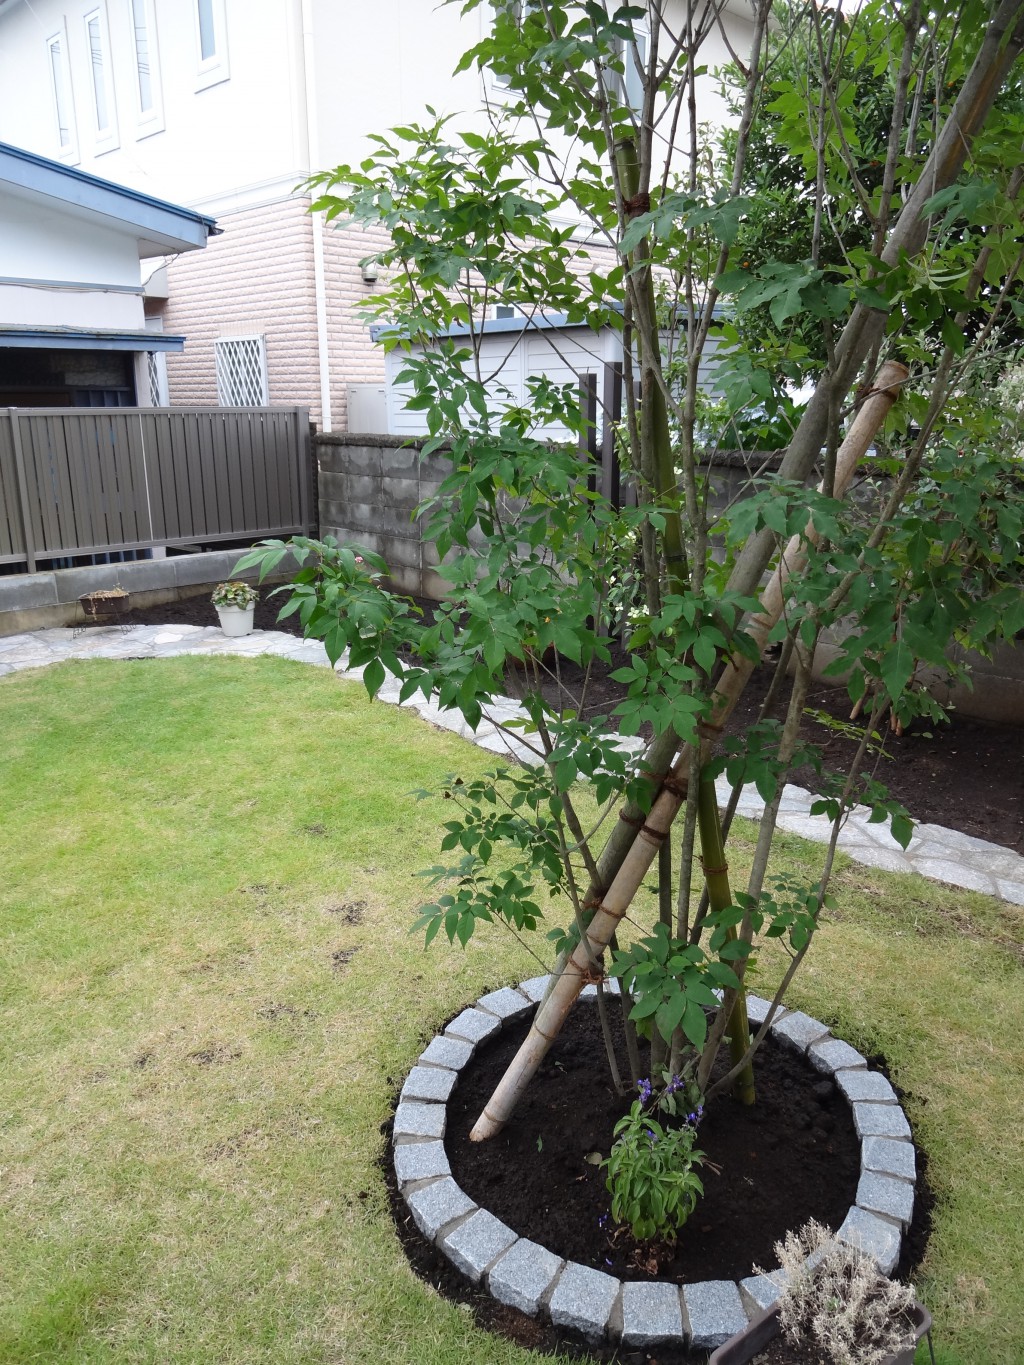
x: 646, y: 1090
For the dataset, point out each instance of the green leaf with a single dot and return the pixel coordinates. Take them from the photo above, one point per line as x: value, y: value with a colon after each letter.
x: 373, y: 677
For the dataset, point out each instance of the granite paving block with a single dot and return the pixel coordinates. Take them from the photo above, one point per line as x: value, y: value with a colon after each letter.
x: 760, y: 1292
x: 714, y: 1311
x: 450, y: 1052
x: 534, y: 988
x: 611, y: 987
x: 435, y: 1206
x: 523, y: 1275
x: 889, y: 1157
x: 757, y: 1010
x: 429, y: 1083
x: 875, y: 1236
x: 888, y: 1197
x: 474, y: 1244
x: 879, y: 1120
x: 651, y: 1313
x: 506, y: 1003
x: 414, y: 1118
x: 473, y: 1025
x: 799, y: 1030
x: 866, y: 1085
x: 420, y: 1161
x: 955, y: 873
x: 584, y: 1299
x: 832, y: 1054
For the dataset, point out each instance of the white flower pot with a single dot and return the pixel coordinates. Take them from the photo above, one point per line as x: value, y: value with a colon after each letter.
x: 236, y: 620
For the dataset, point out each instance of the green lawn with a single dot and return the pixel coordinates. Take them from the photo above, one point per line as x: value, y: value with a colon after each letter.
x: 208, y: 993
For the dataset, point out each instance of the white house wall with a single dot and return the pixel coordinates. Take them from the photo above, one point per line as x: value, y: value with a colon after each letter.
x: 303, y: 84
x: 507, y: 361
x: 51, y: 244
x: 62, y: 271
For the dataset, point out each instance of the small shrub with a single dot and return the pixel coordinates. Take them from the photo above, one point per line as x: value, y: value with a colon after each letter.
x: 234, y: 593
x: 651, y: 1175
x: 841, y: 1302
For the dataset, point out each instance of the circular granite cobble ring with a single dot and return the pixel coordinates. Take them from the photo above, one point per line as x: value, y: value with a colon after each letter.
x: 519, y: 1272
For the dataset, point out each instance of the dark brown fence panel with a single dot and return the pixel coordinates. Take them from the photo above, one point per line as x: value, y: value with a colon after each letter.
x: 84, y: 481
x: 13, y: 549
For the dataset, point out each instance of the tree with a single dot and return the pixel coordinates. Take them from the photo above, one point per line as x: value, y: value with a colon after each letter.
x: 589, y: 192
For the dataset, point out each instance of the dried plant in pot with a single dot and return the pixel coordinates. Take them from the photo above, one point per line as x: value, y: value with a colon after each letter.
x: 834, y: 1308
x: 104, y: 605
x: 236, y: 604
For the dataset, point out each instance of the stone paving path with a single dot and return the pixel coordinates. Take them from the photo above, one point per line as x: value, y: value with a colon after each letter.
x: 942, y: 855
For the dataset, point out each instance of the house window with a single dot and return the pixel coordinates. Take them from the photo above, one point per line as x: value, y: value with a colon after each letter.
x: 211, y: 43
x: 630, y: 86
x: 156, y: 376
x: 63, y: 106
x: 516, y: 12
x: 241, y: 372
x: 102, y: 91
x: 148, y: 101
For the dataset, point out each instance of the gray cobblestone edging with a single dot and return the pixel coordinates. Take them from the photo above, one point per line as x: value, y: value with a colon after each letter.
x: 526, y: 1276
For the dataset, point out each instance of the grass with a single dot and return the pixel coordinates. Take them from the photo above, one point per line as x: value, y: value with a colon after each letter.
x: 208, y: 993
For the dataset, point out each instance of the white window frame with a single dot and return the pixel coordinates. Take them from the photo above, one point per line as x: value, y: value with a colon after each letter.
x: 151, y: 120
x: 228, y: 369
x: 213, y: 69
x: 105, y: 137
x: 66, y: 151
x: 518, y: 9
x: 629, y: 86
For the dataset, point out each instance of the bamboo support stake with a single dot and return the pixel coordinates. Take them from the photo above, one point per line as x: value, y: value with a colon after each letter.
x: 875, y: 408
x: 554, y: 1010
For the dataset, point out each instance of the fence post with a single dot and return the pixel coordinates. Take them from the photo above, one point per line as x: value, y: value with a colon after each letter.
x: 304, y: 456
x: 19, y: 475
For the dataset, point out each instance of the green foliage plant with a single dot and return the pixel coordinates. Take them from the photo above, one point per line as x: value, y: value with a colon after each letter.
x: 651, y: 1172
x: 234, y: 593
x: 591, y: 192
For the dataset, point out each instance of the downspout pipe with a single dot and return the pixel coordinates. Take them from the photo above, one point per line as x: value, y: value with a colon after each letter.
x: 319, y: 270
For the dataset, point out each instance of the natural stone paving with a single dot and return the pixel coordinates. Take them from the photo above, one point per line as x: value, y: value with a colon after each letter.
x: 941, y: 855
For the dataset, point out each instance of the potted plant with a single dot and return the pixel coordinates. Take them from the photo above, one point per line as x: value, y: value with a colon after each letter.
x: 834, y: 1308
x: 105, y: 605
x: 236, y: 603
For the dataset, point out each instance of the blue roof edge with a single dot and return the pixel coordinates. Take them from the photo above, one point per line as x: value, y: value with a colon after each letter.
x: 93, y: 187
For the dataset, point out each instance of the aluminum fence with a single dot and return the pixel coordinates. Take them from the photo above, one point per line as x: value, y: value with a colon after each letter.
x: 78, y: 481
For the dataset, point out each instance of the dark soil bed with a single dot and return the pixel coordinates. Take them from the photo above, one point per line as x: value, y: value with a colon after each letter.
x: 966, y: 775
x: 793, y: 1156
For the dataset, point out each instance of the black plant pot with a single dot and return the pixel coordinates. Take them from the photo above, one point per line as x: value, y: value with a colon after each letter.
x: 745, y: 1345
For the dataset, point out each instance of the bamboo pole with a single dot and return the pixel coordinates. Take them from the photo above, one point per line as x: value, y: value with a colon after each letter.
x: 554, y: 1010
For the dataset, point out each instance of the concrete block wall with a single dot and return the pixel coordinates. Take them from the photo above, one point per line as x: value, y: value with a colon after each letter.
x: 370, y: 486
x: 42, y: 601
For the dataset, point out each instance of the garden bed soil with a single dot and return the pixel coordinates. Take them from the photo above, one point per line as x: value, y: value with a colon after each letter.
x: 791, y: 1157
x: 966, y: 775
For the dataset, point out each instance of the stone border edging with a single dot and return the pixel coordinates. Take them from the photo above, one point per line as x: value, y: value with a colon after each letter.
x: 524, y: 1275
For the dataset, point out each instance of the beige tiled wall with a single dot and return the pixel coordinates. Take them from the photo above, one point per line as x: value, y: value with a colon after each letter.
x: 258, y: 278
